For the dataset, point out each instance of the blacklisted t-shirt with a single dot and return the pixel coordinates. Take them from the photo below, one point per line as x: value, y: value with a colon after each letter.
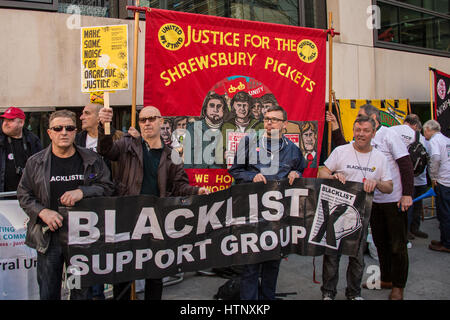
x: 66, y: 174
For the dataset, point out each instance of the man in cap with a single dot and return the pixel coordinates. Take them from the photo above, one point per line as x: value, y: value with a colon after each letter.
x: 17, y: 144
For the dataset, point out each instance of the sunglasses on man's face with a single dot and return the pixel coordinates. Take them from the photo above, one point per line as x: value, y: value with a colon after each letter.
x: 60, y: 128
x: 151, y: 119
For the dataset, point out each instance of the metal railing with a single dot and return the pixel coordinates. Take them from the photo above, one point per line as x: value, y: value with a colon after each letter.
x: 8, y: 194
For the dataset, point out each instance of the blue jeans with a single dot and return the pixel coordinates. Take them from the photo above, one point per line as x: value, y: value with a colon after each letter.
x: 443, y: 212
x: 249, y: 284
x: 49, y: 274
x: 355, y: 271
x: 98, y: 291
x: 415, y: 211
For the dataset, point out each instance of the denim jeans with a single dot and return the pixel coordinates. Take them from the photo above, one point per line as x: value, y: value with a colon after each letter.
x: 389, y: 230
x: 355, y: 271
x: 98, y: 291
x: 49, y: 274
x: 443, y: 213
x: 249, y: 285
x: 415, y: 211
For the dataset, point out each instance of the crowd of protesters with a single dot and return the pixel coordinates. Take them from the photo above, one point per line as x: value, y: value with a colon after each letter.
x: 91, y: 163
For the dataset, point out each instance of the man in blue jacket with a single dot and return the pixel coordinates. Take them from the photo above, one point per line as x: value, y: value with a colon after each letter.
x: 271, y: 157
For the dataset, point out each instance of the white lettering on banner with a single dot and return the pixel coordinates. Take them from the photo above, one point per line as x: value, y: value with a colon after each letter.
x: 75, y: 227
x: 141, y: 228
x: 96, y: 264
x: 206, y: 217
x: 163, y: 259
x: 270, y: 200
x: 110, y: 228
x: 170, y: 223
x: 123, y: 258
x: 272, y: 205
x: 295, y: 200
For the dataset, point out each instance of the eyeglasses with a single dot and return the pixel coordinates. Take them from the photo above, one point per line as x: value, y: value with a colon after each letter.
x: 60, y: 128
x: 151, y: 119
x: 273, y: 120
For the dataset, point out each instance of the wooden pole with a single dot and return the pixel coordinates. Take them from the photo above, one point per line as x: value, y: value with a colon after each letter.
x: 106, y: 105
x: 135, y: 62
x: 431, y: 91
x: 432, y: 117
x: 330, y: 76
x: 133, y: 98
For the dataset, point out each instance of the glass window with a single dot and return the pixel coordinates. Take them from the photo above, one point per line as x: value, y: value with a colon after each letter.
x: 309, y: 13
x: 274, y: 11
x: 30, y: 4
x: 415, y: 28
x: 98, y: 8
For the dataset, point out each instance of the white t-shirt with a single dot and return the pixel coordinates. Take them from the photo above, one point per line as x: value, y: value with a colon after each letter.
x: 440, y: 145
x: 91, y: 143
x: 356, y: 165
x: 408, y: 136
x: 391, y: 145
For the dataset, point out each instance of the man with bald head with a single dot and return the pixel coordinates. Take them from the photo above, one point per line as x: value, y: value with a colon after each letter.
x: 146, y: 167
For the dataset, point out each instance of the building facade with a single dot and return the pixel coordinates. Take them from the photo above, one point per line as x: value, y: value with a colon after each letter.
x: 384, y: 49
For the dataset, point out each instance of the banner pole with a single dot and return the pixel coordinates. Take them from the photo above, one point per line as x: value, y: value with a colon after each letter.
x: 431, y: 91
x: 135, y: 61
x: 330, y: 76
x: 107, y: 106
x: 432, y: 117
x: 133, y: 103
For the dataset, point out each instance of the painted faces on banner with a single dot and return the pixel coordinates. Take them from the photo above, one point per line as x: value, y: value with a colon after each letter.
x: 226, y: 73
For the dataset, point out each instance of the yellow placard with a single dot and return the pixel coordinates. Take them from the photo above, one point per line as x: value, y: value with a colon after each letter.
x: 104, y: 58
x: 393, y: 112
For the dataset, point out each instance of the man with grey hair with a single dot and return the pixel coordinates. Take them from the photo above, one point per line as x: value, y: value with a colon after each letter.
x: 420, y: 181
x: 439, y: 169
x: 61, y: 174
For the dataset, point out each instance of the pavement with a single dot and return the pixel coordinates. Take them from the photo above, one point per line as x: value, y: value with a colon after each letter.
x: 428, y: 277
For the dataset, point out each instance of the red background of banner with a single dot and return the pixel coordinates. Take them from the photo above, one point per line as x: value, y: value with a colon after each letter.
x: 185, y: 96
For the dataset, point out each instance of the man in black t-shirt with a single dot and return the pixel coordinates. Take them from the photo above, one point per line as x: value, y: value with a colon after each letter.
x: 17, y: 144
x: 60, y: 175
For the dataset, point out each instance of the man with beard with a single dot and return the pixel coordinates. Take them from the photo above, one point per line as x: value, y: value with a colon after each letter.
x: 205, y: 135
x: 166, y: 131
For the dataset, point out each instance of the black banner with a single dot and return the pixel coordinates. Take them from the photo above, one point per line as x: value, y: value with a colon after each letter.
x: 110, y: 240
x: 442, y: 101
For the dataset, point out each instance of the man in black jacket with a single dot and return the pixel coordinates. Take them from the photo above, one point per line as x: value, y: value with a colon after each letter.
x: 17, y: 144
x: 61, y: 174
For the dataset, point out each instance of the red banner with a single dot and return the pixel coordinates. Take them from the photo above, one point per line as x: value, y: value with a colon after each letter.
x: 191, y: 59
x: 442, y: 101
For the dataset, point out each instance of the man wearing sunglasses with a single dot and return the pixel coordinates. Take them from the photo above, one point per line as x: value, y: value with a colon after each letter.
x: 277, y: 158
x: 146, y: 167
x: 61, y: 174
